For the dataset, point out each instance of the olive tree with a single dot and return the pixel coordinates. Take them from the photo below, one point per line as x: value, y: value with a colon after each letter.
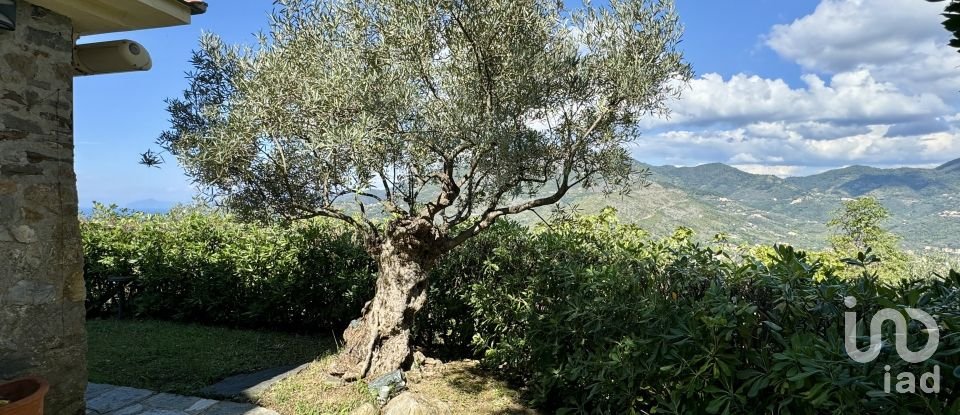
x: 421, y: 123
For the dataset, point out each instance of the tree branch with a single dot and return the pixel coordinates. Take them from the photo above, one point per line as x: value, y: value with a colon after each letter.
x: 489, y: 217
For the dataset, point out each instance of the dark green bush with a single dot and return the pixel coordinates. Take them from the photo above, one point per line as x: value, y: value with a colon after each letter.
x: 595, y: 317
x: 197, y: 266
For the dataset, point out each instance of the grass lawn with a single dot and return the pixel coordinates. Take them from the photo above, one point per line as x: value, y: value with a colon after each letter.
x: 181, y: 358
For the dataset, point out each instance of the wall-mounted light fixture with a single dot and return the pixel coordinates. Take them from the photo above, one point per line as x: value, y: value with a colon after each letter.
x: 110, y: 57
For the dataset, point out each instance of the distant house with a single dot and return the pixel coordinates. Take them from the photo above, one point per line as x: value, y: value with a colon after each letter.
x: 41, y: 265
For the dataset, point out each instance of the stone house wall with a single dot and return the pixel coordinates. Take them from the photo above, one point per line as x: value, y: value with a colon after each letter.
x: 41, y: 265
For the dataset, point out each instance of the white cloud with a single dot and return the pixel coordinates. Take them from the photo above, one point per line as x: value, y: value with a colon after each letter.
x: 841, y: 35
x: 849, y: 98
x: 744, y: 158
x: 897, y: 40
x: 796, y: 154
x: 773, y: 170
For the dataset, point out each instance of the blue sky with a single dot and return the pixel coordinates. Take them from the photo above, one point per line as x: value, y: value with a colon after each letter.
x: 782, y: 87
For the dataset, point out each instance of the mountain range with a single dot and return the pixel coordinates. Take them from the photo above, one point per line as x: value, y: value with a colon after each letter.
x: 924, y: 204
x: 714, y: 198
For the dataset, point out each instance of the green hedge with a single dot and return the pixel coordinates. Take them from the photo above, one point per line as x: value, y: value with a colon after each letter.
x: 197, y: 266
x: 591, y: 315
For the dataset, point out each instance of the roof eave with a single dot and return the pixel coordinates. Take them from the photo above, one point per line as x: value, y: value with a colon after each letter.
x: 92, y: 17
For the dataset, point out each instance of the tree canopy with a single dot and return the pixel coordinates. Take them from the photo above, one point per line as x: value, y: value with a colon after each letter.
x: 449, y: 111
x: 858, y: 227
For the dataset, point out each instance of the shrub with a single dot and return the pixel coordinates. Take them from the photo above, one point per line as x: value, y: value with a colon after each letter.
x: 446, y: 325
x: 195, y: 265
x: 594, y: 316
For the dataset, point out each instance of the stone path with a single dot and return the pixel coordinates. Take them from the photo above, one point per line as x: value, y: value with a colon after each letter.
x: 249, y: 386
x: 120, y: 400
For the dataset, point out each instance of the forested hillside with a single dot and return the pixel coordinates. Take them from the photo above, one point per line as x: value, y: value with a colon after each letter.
x: 751, y: 208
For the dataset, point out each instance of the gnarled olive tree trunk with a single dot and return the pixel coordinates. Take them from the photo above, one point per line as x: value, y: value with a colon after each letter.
x: 379, y: 341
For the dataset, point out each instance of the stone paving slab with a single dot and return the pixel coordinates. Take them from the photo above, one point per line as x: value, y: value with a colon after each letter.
x: 251, y: 385
x: 121, y: 400
x: 233, y: 408
x: 117, y: 398
x: 96, y: 389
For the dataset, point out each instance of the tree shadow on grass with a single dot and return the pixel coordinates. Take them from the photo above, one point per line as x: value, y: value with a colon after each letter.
x: 466, y: 383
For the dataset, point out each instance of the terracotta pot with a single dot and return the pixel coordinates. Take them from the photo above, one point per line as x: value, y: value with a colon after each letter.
x: 25, y: 396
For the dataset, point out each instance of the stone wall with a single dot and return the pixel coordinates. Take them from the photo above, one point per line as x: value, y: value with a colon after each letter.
x: 41, y: 265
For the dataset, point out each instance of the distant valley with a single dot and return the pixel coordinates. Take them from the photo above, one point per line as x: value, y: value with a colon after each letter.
x: 751, y: 208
